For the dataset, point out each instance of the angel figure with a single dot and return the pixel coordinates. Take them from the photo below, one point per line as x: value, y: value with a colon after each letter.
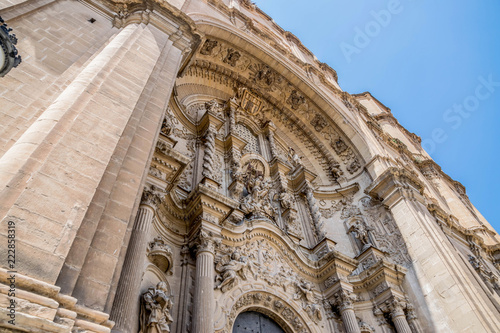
x: 305, y: 289
x: 229, y: 271
x: 155, y: 310
x: 294, y: 158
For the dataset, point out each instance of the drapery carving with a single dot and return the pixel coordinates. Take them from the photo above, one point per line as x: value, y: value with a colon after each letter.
x: 155, y: 310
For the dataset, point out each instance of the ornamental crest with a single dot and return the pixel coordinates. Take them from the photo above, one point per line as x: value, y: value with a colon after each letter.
x: 251, y: 103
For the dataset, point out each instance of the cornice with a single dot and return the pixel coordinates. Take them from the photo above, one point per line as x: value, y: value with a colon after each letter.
x: 390, y: 117
x: 450, y: 222
x: 328, y: 192
x: 382, y: 270
x: 319, y: 269
x: 395, y: 184
x: 176, y: 24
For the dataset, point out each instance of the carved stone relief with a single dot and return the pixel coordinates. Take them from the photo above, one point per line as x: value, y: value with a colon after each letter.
x: 318, y: 122
x: 232, y: 57
x: 267, y: 80
x: 309, y: 301
x: 385, y: 231
x: 155, y: 310
x: 258, y: 260
x: 208, y: 47
x: 265, y: 77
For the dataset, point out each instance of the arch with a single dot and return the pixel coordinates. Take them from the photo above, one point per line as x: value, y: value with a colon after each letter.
x: 327, y: 100
x: 269, y: 304
x: 251, y: 156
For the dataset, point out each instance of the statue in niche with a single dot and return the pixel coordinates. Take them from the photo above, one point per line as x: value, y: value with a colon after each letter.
x: 294, y: 158
x: 155, y: 310
x: 258, y: 201
x: 361, y: 233
x: 230, y: 269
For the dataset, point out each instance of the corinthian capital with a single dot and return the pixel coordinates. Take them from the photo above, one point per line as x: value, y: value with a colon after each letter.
x: 152, y: 196
x: 204, y: 242
x: 397, y: 307
x: 344, y: 300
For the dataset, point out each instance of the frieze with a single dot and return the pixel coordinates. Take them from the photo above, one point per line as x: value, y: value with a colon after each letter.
x: 208, y: 47
x: 265, y: 77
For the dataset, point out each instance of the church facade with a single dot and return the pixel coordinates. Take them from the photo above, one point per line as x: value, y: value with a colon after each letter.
x: 190, y: 166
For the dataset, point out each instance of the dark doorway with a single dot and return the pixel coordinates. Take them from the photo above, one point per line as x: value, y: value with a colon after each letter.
x: 255, y: 322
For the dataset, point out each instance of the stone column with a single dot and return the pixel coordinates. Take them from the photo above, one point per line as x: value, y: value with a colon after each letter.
x: 209, y: 153
x: 232, y: 115
x: 350, y: 322
x: 399, y: 318
x: 411, y: 318
x: 346, y: 308
x: 203, y: 321
x: 125, y: 311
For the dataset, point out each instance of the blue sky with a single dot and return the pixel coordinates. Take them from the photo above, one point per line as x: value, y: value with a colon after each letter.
x: 436, y: 64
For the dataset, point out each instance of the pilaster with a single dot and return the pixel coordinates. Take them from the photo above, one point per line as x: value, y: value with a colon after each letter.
x: 451, y: 303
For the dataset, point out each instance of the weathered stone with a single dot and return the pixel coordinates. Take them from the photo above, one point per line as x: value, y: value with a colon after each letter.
x: 164, y: 173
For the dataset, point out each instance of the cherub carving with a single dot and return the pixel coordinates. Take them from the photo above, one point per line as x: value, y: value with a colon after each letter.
x: 305, y: 291
x: 230, y: 270
x: 155, y: 310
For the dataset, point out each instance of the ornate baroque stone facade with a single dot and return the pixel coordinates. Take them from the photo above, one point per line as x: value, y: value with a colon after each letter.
x: 169, y: 165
